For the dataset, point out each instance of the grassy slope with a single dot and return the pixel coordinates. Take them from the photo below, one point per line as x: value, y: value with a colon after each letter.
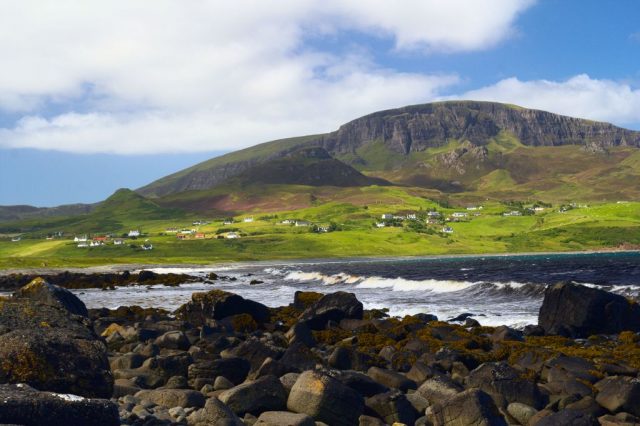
x: 602, y: 226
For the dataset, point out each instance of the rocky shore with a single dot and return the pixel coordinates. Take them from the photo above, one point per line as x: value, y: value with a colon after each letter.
x: 224, y: 360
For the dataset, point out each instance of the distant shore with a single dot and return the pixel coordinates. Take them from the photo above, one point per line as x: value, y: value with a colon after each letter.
x: 121, y: 267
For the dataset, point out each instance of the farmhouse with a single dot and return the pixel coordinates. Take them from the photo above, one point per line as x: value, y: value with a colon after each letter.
x: 380, y: 225
x: 147, y: 247
x: 232, y: 235
x: 15, y: 239
x: 459, y: 214
x: 412, y: 216
x: 81, y: 239
x: 288, y: 222
x: 247, y: 220
x: 100, y: 239
x: 118, y: 242
x: 228, y: 222
x: 96, y: 243
x: 447, y: 230
x: 83, y: 244
x: 200, y: 236
x: 171, y: 230
x: 134, y: 233
x: 434, y: 214
x: 387, y: 216
x: 302, y: 223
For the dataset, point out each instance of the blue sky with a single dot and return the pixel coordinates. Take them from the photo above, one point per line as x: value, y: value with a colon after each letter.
x: 100, y: 95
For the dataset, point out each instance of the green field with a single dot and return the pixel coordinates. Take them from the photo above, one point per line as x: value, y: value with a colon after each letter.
x: 352, y: 213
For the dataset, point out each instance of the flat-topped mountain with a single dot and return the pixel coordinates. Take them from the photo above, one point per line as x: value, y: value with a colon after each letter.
x: 452, y: 146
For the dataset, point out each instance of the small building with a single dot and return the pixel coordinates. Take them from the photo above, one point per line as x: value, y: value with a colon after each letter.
x: 302, y: 223
x: 380, y: 225
x: 433, y: 221
x: 474, y: 208
x: 15, y: 239
x: 538, y: 209
x: 387, y: 216
x: 83, y: 244
x: 96, y: 243
x: 247, y: 220
x: 512, y: 213
x: 134, y: 233
x: 82, y: 239
x: 228, y: 222
x: 101, y: 238
x: 118, y: 242
x: 447, y: 230
x: 288, y: 222
x: 322, y: 228
x: 171, y: 230
x: 232, y: 235
x: 200, y: 236
x: 459, y: 215
x: 146, y: 246
x: 412, y: 216
x: 433, y: 214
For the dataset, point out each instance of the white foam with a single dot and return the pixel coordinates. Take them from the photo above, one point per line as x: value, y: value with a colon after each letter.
x: 401, y: 284
x: 69, y: 397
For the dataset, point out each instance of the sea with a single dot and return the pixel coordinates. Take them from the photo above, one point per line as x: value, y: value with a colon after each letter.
x: 496, y: 290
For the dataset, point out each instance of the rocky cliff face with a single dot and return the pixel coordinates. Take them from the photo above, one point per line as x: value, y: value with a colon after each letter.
x: 416, y: 128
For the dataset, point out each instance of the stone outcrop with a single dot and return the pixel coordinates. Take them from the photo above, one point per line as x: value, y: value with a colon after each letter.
x: 579, y: 311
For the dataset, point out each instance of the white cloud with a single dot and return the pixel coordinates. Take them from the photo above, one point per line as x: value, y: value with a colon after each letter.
x: 579, y: 96
x: 208, y: 75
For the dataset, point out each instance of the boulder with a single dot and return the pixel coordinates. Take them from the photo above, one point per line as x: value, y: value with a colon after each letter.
x: 173, y: 340
x: 505, y: 384
x: 173, y: 397
x: 439, y: 388
x: 41, y: 291
x: 332, y: 307
x: 359, y: 382
x: 234, y: 369
x: 214, y: 413
x: 391, y: 379
x: 218, y: 304
x: 284, y: 418
x: 620, y: 419
x: 300, y: 333
x: 264, y: 394
x: 578, y: 311
x: 620, y: 393
x: 521, y: 412
x: 325, y: 399
x: 568, y: 418
x: 253, y: 351
x: 392, y: 407
x: 51, y: 349
x: 23, y: 405
x: 471, y: 407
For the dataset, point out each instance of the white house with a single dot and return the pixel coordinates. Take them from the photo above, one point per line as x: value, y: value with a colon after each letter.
x: 81, y: 239
x: 96, y: 243
x: 512, y: 213
x: 302, y: 223
x: 228, y: 222
x: 412, y: 216
x: 474, y: 208
x: 15, y: 239
x: 232, y: 235
x: 288, y: 222
x: 387, y: 216
x: 447, y: 230
x: 118, y: 242
x: 171, y: 230
x: 134, y: 233
x: 147, y: 247
x: 538, y: 209
x: 380, y: 225
x: 247, y: 220
x: 83, y: 244
x: 433, y: 214
x: 459, y: 214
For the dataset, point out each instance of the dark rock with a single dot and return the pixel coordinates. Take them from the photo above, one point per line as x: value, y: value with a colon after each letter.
x: 521, y: 412
x: 173, y: 340
x: 176, y: 382
x: 503, y: 333
x: 533, y: 330
x: 264, y: 394
x: 420, y: 372
x: 299, y: 357
x: 300, y: 333
x: 620, y: 419
x: 587, y: 405
x: 218, y: 304
x: 391, y: 379
x: 332, y: 307
x: 471, y: 407
x: 144, y: 276
x: 234, y: 369
x: 461, y: 317
x: 272, y: 367
x: 304, y: 299
x: 325, y: 399
x: 253, y: 351
x: 392, y: 407
x: 568, y: 418
x: 127, y: 361
x: 620, y: 394
x: 51, y: 349
x: 41, y: 291
x: 340, y: 358
x: 579, y: 311
x: 439, y: 388
x: 370, y: 421
x: 173, y: 397
x: 505, y: 385
x: 23, y: 405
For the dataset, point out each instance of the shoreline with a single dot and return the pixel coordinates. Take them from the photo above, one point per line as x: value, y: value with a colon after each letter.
x: 121, y: 267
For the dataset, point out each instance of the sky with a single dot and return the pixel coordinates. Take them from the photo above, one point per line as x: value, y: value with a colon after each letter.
x: 98, y: 95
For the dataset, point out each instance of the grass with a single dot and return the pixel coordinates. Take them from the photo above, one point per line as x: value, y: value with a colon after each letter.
x: 353, y: 210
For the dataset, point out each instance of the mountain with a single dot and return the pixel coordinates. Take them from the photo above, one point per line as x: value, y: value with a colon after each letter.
x: 20, y: 212
x: 457, y: 146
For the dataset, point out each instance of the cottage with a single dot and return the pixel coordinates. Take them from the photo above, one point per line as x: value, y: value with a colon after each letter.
x: 447, y: 230
x: 118, y: 242
x: 387, y: 216
x: 459, y: 215
x: 228, y: 222
x: 322, y: 228
x: 512, y: 213
x: 171, y: 230
x: 247, y: 220
x: 288, y: 222
x: 83, y: 244
x: 302, y: 223
x: 232, y: 235
x: 538, y: 209
x: 412, y: 216
x: 101, y: 239
x: 81, y: 239
x: 181, y: 236
x: 15, y: 239
x: 147, y: 247
x: 134, y: 233
x: 96, y: 243
x: 380, y: 225
x: 433, y: 214
x: 200, y: 236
